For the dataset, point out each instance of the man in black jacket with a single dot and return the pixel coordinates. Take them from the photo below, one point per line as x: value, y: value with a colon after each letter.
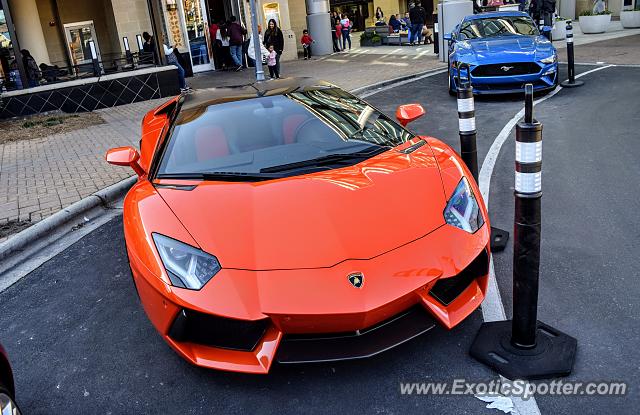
x: 418, y: 16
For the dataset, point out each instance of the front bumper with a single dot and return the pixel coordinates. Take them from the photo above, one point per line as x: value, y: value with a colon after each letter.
x: 315, y: 314
x: 544, y: 80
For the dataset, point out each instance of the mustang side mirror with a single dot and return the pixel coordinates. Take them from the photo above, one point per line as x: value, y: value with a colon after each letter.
x: 447, y: 36
x: 408, y: 113
x: 125, y: 156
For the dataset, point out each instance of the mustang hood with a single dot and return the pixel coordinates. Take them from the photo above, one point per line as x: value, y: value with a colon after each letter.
x: 505, y: 49
x: 315, y: 220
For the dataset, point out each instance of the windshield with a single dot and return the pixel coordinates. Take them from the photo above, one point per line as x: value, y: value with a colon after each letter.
x: 498, y: 26
x: 277, y: 133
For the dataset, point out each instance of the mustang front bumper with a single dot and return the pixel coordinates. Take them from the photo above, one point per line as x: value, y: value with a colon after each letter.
x: 252, y: 318
x: 544, y: 79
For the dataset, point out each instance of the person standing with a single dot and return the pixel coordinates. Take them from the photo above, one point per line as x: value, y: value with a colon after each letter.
x: 334, y: 37
x: 272, y: 63
x: 149, y: 49
x: 170, y: 53
x: 251, y: 51
x: 306, y: 41
x: 236, y: 39
x: 274, y: 37
x: 346, y: 29
x: 30, y: 65
x: 418, y: 16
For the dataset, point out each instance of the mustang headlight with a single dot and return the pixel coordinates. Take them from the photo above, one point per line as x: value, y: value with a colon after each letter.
x: 187, y: 267
x: 463, y: 210
x: 551, y: 59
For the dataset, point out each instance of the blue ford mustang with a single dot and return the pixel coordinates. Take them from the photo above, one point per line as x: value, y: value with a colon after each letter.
x: 504, y: 51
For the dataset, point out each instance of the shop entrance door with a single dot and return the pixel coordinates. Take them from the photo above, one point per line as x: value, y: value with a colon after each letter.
x: 78, y: 36
x: 196, y: 28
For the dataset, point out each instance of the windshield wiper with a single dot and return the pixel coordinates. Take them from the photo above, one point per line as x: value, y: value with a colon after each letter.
x: 327, y: 160
x: 221, y: 176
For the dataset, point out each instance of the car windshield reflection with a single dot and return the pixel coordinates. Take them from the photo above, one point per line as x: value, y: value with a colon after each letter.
x: 257, y: 135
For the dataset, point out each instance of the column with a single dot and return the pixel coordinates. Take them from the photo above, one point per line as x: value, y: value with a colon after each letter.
x: 319, y: 24
x: 28, y: 29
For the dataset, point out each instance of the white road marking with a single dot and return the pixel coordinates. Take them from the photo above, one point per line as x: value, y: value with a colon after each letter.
x: 492, y: 306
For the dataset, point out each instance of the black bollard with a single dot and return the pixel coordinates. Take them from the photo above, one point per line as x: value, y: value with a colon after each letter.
x: 571, y: 83
x: 525, y: 348
x: 467, y: 122
x: 468, y: 142
x: 436, y: 41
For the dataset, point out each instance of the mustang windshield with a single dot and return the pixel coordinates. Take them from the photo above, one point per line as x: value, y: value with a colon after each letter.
x: 297, y: 133
x: 497, y: 26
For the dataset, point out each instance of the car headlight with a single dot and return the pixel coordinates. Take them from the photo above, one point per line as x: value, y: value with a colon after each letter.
x: 550, y: 59
x: 187, y: 267
x: 462, y: 210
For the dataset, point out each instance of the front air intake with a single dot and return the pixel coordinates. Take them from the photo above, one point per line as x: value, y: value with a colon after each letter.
x: 209, y: 330
x: 446, y: 290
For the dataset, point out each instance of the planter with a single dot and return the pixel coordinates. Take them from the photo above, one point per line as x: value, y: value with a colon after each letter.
x: 559, y: 30
x: 369, y: 42
x: 595, y: 24
x: 630, y: 19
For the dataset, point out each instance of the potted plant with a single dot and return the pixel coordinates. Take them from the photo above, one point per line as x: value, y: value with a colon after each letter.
x: 559, y: 30
x: 370, y: 39
x: 630, y: 18
x: 594, y: 22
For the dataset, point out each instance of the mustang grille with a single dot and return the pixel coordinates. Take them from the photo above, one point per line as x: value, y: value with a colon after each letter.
x: 506, y: 69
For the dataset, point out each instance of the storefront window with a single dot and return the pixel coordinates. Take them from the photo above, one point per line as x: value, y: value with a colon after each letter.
x: 272, y: 11
x: 196, y: 26
x: 9, y: 74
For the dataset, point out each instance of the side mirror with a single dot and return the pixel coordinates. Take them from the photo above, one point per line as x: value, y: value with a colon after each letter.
x: 408, y: 113
x: 447, y: 36
x: 125, y: 156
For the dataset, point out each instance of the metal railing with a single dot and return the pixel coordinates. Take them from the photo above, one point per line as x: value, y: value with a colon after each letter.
x: 54, y: 73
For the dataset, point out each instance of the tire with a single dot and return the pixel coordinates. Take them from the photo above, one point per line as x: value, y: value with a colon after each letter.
x: 7, y: 399
x: 451, y: 91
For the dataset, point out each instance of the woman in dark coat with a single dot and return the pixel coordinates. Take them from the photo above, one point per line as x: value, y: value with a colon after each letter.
x: 31, y: 67
x: 273, y: 36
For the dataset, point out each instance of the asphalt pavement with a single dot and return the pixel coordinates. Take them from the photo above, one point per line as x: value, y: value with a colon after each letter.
x: 81, y: 343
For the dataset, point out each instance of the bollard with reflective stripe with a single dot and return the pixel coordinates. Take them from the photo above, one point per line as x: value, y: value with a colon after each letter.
x: 572, y: 82
x: 527, y: 226
x: 467, y: 123
x: 525, y: 348
x: 436, y: 37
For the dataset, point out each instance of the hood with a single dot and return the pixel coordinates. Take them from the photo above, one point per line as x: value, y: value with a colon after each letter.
x: 504, y: 49
x: 315, y: 220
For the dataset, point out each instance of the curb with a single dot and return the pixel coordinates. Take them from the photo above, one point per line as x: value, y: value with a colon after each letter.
x: 101, y: 198
x: 370, y: 88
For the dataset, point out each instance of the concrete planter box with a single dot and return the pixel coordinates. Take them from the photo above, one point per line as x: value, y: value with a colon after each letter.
x: 630, y: 19
x: 595, y: 24
x: 559, y: 30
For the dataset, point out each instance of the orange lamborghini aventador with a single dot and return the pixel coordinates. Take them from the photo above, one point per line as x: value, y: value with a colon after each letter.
x: 291, y: 221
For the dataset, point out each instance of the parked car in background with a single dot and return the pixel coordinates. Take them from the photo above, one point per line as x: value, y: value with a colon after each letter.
x: 504, y: 51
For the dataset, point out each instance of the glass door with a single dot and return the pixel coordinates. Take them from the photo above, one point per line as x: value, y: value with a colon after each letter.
x: 78, y: 36
x: 197, y: 34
